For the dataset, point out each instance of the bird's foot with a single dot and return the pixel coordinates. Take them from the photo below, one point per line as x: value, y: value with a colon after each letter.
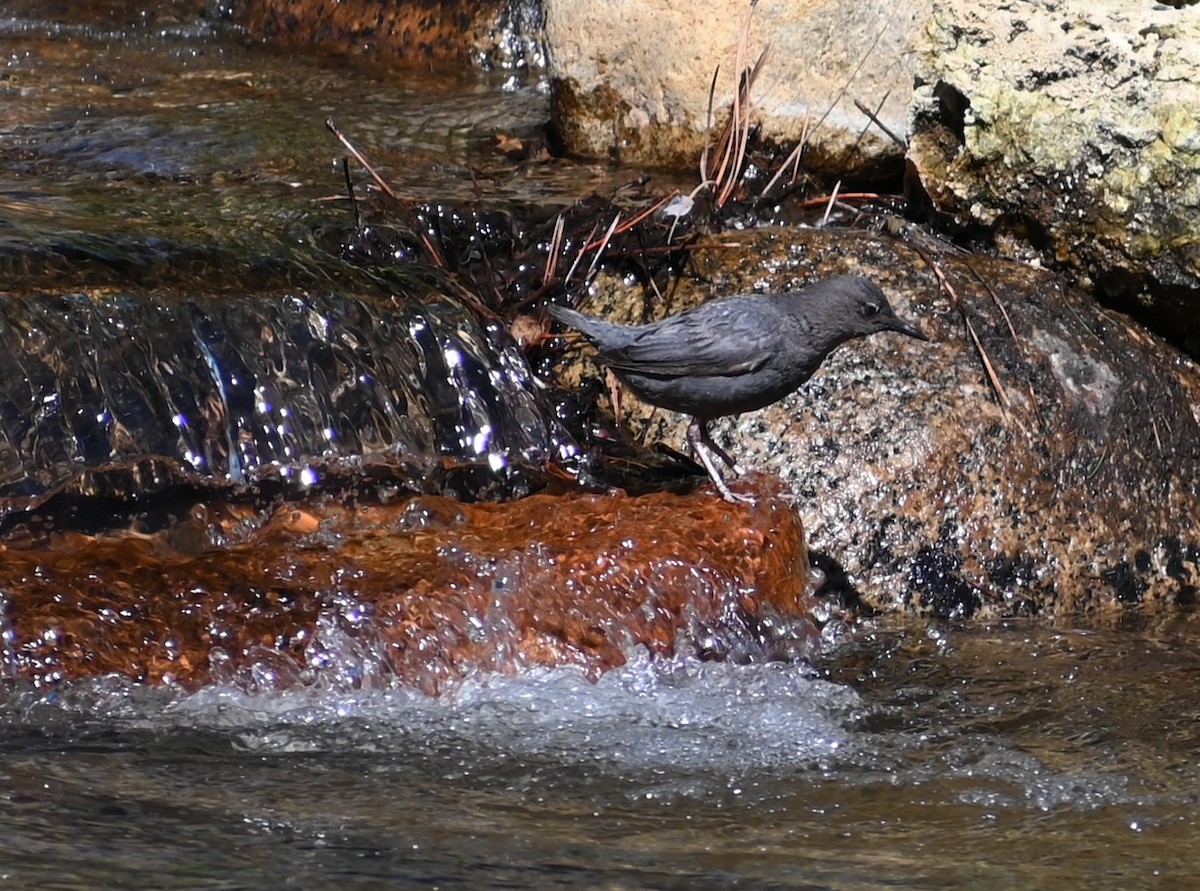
x: 704, y: 448
x: 734, y: 497
x: 722, y: 486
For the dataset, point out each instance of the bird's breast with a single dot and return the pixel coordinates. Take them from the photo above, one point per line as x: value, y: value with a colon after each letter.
x: 711, y: 396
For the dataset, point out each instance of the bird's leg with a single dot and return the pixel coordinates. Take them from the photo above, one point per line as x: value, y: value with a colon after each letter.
x: 614, y: 393
x: 701, y: 443
x: 705, y: 437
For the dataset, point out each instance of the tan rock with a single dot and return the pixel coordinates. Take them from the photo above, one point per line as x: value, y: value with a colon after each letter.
x: 637, y: 74
x: 1071, y: 128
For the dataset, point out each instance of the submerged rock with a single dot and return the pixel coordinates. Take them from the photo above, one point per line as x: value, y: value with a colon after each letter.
x: 1071, y: 489
x: 421, y: 592
x: 502, y: 33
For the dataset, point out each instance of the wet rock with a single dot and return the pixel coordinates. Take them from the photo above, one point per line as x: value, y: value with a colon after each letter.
x: 122, y: 394
x: 423, y: 591
x: 1069, y: 491
x: 1069, y: 129
x: 499, y: 33
x: 634, y: 77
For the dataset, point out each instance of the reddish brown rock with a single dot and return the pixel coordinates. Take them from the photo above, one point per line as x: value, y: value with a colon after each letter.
x: 415, y: 33
x: 426, y: 589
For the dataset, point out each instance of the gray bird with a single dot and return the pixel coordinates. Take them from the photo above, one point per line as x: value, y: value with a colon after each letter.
x: 738, y: 353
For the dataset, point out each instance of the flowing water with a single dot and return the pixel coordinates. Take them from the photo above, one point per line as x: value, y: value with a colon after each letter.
x: 909, y: 756
x: 918, y: 757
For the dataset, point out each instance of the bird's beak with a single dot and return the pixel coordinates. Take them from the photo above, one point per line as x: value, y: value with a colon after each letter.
x: 904, y: 328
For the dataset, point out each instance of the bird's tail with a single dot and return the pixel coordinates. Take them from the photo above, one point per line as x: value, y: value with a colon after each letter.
x: 570, y: 317
x: 596, y: 330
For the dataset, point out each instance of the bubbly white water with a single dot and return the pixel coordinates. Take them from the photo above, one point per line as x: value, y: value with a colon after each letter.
x: 651, y: 714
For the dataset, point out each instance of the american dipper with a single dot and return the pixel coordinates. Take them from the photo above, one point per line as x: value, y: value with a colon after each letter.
x: 737, y: 353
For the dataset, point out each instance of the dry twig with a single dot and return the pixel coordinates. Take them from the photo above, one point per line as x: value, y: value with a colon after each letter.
x: 793, y: 159
x: 948, y: 290
x: 358, y: 156
x: 874, y: 117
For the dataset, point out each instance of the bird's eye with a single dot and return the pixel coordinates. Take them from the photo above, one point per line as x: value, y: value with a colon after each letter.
x: 872, y: 309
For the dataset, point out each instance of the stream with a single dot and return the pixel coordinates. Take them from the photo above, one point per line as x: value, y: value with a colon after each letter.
x: 164, y: 146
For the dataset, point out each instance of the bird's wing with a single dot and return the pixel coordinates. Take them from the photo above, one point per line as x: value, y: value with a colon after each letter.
x: 712, y: 341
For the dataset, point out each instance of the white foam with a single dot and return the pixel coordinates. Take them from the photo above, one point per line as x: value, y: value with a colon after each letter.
x: 652, y: 714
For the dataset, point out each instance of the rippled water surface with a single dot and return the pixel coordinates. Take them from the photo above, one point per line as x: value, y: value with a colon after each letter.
x: 911, y: 756
x: 916, y: 757
x: 168, y: 128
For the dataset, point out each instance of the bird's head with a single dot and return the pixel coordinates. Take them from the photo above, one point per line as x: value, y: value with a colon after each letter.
x: 853, y: 306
